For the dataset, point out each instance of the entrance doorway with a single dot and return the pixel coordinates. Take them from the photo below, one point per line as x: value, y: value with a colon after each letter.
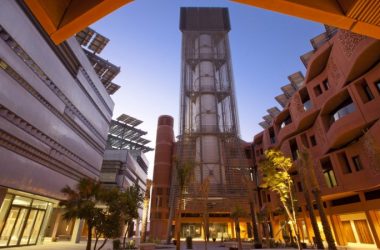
x: 21, y: 220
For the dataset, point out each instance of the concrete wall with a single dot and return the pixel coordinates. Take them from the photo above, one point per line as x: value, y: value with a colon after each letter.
x: 54, y: 124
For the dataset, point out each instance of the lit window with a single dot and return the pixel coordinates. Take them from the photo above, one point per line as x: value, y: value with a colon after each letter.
x: 328, y: 172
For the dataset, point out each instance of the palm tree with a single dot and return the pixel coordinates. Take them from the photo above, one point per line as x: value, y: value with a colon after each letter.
x: 237, y: 213
x: 184, y: 174
x: 81, y: 203
x: 310, y: 174
x: 251, y: 186
x: 204, y: 190
x: 304, y: 163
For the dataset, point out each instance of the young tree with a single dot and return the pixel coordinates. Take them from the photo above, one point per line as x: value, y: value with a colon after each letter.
x: 131, y: 201
x: 184, y: 174
x: 108, y: 219
x: 275, y: 169
x: 236, y: 214
x: 251, y: 186
x: 318, y: 199
x: 81, y: 203
x: 204, y: 190
x: 303, y: 164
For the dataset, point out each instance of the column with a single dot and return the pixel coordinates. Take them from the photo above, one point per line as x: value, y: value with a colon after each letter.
x: 374, y: 223
x: 77, y: 231
x: 56, y: 224
x: 3, y: 192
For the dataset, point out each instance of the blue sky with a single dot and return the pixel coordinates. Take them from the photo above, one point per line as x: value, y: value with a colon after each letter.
x: 145, y: 42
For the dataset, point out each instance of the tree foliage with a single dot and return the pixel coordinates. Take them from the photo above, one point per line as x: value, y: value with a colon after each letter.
x: 276, y: 177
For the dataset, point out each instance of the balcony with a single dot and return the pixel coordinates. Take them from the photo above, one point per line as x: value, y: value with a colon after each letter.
x: 307, y: 105
x: 342, y: 112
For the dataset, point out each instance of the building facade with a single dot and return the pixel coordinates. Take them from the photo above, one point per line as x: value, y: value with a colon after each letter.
x: 333, y: 113
x: 55, y: 113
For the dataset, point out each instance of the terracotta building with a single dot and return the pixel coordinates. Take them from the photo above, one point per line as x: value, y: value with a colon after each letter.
x: 333, y: 112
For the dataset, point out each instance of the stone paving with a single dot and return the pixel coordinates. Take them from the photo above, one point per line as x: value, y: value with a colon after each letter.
x: 196, y: 246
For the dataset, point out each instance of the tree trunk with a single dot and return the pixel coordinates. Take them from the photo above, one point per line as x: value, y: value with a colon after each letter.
x: 237, y: 230
x: 89, y: 236
x: 178, y: 224
x: 324, y: 221
x: 293, y: 217
x: 125, y: 234
x: 96, y: 240
x: 313, y: 219
x: 293, y: 223
x: 104, y: 242
x: 256, y: 238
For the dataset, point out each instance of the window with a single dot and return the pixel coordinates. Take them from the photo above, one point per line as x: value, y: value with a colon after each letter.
x: 313, y: 140
x: 328, y: 172
x: 272, y: 136
x: 377, y: 84
x: 346, y: 169
x: 317, y: 90
x: 304, y: 140
x: 326, y: 85
x: 264, y: 197
x: 211, y: 172
x: 299, y: 185
x: 364, y: 91
x: 293, y: 148
x: 357, y: 163
x: 286, y: 121
x: 268, y: 197
x: 305, y: 99
x: 367, y: 92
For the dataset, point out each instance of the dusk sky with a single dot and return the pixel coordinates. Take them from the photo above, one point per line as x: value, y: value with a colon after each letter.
x: 145, y: 42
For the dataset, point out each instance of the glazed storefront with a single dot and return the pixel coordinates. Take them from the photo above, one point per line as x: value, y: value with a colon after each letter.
x: 23, y: 218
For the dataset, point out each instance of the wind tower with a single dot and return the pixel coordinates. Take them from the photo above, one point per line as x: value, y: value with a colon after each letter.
x: 209, y: 129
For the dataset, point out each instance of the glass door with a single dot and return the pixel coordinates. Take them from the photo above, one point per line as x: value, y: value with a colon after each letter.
x: 37, y: 227
x: 8, y: 227
x: 28, y: 228
x: 17, y: 229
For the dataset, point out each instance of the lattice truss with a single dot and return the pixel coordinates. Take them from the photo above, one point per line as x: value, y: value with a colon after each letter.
x: 209, y: 129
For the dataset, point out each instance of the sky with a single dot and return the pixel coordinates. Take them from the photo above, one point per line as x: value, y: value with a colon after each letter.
x: 145, y: 41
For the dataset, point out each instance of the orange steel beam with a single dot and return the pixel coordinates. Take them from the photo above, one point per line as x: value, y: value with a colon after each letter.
x: 61, y: 19
x: 359, y: 16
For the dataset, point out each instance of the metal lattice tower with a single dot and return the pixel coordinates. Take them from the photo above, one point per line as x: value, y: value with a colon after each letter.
x: 209, y: 129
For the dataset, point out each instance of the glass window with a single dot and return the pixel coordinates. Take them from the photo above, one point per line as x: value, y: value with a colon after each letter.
x: 328, y: 172
x: 293, y: 148
x: 317, y: 90
x: 367, y: 92
x: 346, y: 169
x: 313, y: 140
x: 21, y: 201
x: 377, y: 84
x: 39, y: 204
x: 345, y: 108
x: 326, y: 85
x: 357, y: 163
x: 4, y: 209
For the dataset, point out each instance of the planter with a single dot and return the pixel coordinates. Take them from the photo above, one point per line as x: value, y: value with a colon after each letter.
x: 189, y: 242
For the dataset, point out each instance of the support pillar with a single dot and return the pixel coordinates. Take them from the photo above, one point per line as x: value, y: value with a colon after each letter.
x: 337, y: 227
x: 3, y: 192
x: 137, y: 235
x: 77, y: 231
x: 56, y: 224
x: 374, y: 223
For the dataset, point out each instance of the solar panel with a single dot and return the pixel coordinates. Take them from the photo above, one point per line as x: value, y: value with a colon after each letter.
x: 282, y: 100
x: 98, y: 43
x: 274, y: 111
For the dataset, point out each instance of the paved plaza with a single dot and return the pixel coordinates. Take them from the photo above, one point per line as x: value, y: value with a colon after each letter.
x: 108, y: 246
